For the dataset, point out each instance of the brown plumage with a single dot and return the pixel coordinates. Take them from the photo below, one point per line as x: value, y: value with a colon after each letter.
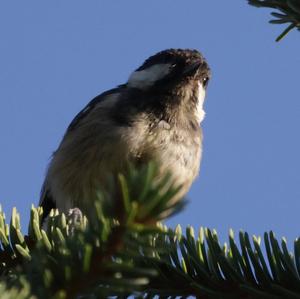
x: 155, y: 116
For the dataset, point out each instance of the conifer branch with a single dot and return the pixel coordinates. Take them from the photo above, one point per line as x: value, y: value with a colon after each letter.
x: 126, y: 252
x: 289, y: 12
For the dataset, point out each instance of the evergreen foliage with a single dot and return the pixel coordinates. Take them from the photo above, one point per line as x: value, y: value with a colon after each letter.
x: 289, y: 13
x: 128, y: 253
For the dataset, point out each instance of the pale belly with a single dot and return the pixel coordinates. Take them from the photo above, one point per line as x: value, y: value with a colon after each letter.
x: 176, y: 152
x: 181, y: 158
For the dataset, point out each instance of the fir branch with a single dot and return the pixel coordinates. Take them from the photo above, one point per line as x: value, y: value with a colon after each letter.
x: 289, y: 13
x: 201, y: 267
x: 21, y: 292
x: 67, y: 261
x: 131, y: 254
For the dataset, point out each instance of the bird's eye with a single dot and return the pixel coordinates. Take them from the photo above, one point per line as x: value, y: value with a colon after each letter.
x: 205, y: 81
x: 172, y: 66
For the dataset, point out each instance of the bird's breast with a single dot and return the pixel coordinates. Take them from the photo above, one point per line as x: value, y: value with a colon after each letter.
x: 176, y: 149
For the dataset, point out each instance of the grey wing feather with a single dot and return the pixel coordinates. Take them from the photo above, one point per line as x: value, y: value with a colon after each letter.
x: 89, y: 107
x: 47, y: 202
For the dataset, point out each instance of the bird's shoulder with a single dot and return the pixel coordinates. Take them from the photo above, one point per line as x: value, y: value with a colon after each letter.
x: 93, y: 104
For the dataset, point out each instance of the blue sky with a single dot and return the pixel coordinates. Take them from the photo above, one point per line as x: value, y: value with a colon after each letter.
x: 56, y: 56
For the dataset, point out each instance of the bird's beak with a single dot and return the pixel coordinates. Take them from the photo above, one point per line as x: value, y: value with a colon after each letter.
x: 191, y: 69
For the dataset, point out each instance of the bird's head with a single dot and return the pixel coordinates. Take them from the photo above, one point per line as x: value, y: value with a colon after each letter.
x: 181, y: 73
x: 171, y: 69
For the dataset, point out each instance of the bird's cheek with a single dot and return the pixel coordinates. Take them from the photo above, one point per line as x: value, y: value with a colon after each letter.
x: 200, y: 113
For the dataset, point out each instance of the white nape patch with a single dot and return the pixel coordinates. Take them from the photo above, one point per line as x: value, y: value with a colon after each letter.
x: 147, y: 77
x: 200, y: 113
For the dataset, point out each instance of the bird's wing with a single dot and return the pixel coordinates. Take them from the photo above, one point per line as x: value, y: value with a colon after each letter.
x: 47, y: 202
x: 91, y: 105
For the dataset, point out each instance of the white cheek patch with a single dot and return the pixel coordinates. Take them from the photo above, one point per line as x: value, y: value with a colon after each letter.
x: 145, y: 78
x: 200, y: 113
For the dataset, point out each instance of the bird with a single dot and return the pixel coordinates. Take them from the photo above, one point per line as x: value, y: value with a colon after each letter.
x: 155, y: 116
